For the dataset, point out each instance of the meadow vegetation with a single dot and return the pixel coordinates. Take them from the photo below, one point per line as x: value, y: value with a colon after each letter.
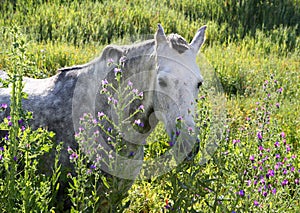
x: 252, y: 46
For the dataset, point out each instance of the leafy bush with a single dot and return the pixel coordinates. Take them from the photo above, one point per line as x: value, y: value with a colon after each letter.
x: 23, y: 188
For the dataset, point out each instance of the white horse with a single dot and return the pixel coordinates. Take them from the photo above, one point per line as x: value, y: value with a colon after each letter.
x: 164, y: 68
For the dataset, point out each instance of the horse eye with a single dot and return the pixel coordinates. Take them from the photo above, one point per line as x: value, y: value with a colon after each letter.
x: 199, y: 84
x: 162, y: 82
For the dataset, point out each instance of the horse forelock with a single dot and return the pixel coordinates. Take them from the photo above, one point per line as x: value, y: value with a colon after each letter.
x: 178, y: 43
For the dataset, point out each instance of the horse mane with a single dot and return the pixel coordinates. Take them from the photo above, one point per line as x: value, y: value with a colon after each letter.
x: 178, y: 42
x: 111, y: 51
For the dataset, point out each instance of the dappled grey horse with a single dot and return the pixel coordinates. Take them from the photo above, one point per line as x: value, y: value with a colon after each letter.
x: 164, y: 68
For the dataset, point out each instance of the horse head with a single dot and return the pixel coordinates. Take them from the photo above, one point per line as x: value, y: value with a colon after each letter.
x: 178, y: 79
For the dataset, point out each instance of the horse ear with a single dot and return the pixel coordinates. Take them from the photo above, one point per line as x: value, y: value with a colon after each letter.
x: 160, y: 36
x: 198, y: 39
x: 112, y: 52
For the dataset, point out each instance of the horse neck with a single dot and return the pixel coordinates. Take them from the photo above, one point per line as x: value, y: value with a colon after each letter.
x: 140, y: 68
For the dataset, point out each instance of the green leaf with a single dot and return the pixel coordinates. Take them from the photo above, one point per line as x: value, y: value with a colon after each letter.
x: 104, y: 180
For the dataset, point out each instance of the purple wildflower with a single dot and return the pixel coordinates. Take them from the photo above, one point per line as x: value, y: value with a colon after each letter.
x: 100, y: 114
x: 288, y: 148
x: 138, y: 123
x: 115, y: 101
x: 274, y: 191
x: 256, y: 203
x: 271, y: 172
x: 130, y: 83
x: 122, y: 59
x: 252, y: 158
x: 3, y: 106
x: 262, y: 181
x: 241, y: 193
x: 69, y: 175
x: 284, y: 182
x: 20, y: 121
x: 104, y: 90
x: 234, y: 141
x: 280, y: 90
x: 1, y: 149
x: 277, y: 105
x: 23, y: 128
x: 73, y: 156
x: 135, y: 91
x: 265, y: 193
x: 104, y: 82
x: 179, y: 118
x: 141, y: 107
x: 69, y: 150
x: 259, y: 136
x: 15, y: 158
x: 276, y: 144
x: 1, y: 157
x: 282, y: 134
x: 92, y: 167
x: 110, y: 60
x: 171, y: 143
x: 117, y: 70
x: 96, y: 133
x: 297, y: 181
x: 190, y: 129
x: 284, y: 141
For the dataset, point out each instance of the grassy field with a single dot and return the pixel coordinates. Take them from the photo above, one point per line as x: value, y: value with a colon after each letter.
x: 253, y: 47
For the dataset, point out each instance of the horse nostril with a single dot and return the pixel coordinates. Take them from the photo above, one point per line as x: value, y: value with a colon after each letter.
x: 199, y: 84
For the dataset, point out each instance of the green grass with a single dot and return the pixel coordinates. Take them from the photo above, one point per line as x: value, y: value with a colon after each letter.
x: 247, y: 42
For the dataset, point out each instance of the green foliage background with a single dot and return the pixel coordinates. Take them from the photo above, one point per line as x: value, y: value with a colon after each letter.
x: 247, y: 40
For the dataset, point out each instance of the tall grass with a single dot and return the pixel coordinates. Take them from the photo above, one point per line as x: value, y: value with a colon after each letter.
x: 247, y: 41
x: 81, y: 22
